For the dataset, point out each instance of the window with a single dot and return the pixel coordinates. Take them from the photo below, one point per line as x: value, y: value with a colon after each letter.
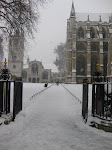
x: 94, y: 47
x: 37, y: 80
x: 93, y: 65
x: 81, y: 33
x: 14, y: 66
x: 34, y: 69
x: 105, y: 65
x: 81, y: 65
x: 105, y: 46
x: 29, y: 79
x: 92, y: 32
x: 81, y: 47
x: 24, y: 74
x: 33, y: 80
x: 104, y: 32
x: 45, y: 75
x: 14, y: 58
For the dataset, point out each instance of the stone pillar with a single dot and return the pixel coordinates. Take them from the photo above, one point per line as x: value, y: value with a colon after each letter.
x: 100, y: 47
x: 109, y: 66
x: 69, y: 60
x: 88, y: 52
x: 74, y: 58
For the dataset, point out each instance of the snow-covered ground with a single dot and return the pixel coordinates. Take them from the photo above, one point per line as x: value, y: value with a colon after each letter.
x: 52, y: 121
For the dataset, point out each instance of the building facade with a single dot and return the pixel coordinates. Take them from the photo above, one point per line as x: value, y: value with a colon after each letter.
x: 36, y: 73
x: 15, y: 54
x: 88, y: 43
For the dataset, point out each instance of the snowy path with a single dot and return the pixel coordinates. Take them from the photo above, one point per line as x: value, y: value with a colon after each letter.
x: 52, y: 122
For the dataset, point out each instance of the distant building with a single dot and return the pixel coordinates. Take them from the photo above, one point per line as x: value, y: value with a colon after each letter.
x: 15, y: 54
x: 88, y: 42
x: 36, y: 73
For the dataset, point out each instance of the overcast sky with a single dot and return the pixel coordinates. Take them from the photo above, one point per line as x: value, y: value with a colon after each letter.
x: 52, y: 26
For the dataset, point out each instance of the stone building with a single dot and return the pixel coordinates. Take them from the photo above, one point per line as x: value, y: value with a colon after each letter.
x: 16, y: 53
x: 36, y: 73
x: 88, y: 43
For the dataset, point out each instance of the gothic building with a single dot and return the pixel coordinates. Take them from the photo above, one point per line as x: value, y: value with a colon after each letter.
x: 88, y: 43
x: 36, y: 73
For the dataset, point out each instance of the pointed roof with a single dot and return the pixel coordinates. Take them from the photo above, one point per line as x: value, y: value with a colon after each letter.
x: 72, y: 10
x: 100, y: 19
x: 88, y: 18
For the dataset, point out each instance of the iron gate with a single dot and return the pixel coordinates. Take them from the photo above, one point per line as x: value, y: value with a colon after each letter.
x: 17, y: 104
x: 85, y: 101
x: 5, y: 95
x: 102, y: 100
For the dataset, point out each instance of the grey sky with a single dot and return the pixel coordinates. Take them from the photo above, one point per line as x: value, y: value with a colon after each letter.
x: 52, y: 26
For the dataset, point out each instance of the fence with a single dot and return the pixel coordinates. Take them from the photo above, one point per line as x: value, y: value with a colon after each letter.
x: 5, y: 90
x: 5, y: 94
x: 101, y: 100
x: 17, y: 101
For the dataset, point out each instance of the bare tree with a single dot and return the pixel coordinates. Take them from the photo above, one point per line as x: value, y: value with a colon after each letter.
x: 60, y: 51
x: 19, y: 14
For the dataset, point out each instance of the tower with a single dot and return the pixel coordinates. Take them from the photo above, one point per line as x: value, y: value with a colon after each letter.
x: 16, y: 53
x: 71, y: 47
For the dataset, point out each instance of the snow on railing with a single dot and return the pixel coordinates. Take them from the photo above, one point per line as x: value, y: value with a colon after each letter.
x: 72, y: 94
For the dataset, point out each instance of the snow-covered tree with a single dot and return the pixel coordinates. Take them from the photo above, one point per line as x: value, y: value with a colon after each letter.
x: 60, y: 52
x: 19, y: 14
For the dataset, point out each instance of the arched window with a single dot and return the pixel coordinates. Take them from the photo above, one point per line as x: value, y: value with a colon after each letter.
x: 94, y: 47
x: 37, y: 80
x: 105, y: 65
x: 45, y: 75
x: 92, y: 32
x: 24, y: 74
x: 81, y: 33
x: 34, y: 69
x: 34, y: 80
x: 104, y: 32
x: 29, y: 80
x: 81, y: 65
x: 93, y: 65
x: 14, y: 66
x: 105, y: 46
x: 81, y: 47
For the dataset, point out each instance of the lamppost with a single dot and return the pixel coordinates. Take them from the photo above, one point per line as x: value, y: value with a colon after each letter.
x: 5, y: 73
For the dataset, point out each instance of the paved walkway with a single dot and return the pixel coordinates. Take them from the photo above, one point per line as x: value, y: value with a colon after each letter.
x: 52, y: 122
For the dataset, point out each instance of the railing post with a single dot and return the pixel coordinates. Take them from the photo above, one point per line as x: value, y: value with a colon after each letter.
x: 8, y: 96
x: 93, y: 99
x: 14, y: 102
x: 85, y: 100
x: 1, y: 97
